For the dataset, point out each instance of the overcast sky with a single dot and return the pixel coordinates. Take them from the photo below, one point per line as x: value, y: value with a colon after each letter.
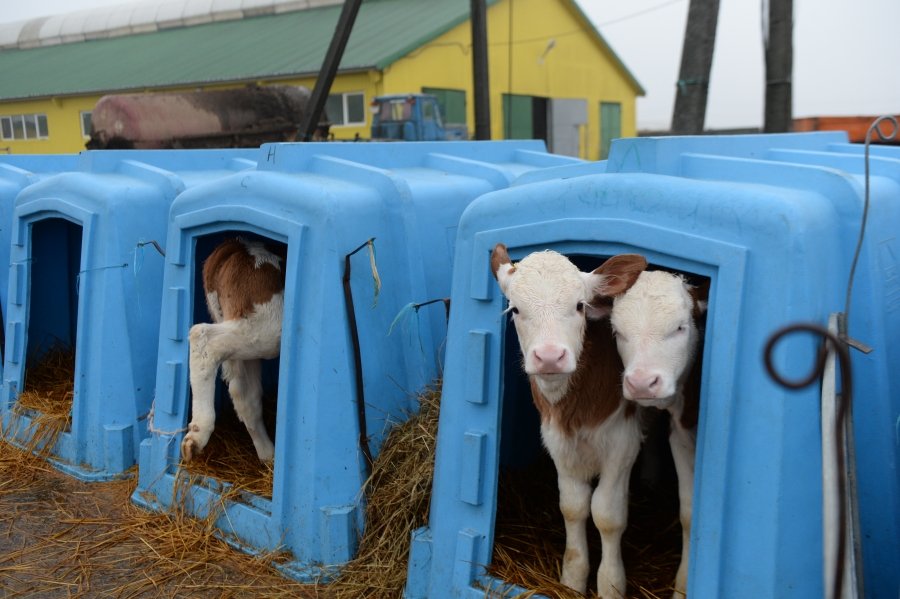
x: 846, y: 54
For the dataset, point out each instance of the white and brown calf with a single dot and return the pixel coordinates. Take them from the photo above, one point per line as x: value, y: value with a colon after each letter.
x: 655, y: 324
x: 589, y: 430
x: 244, y: 285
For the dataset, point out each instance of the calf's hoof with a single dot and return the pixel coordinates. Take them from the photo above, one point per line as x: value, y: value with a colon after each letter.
x: 190, y: 447
x: 575, y: 571
x: 611, y: 587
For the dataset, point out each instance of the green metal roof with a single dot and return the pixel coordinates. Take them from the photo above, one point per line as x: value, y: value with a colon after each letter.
x: 272, y: 46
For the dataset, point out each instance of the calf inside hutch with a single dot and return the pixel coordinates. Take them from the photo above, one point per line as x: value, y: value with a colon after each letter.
x: 52, y: 328
x: 530, y: 540
x: 234, y: 346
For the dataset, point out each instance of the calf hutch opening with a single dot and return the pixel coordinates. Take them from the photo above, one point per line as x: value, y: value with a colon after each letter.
x: 530, y: 532
x: 44, y: 405
x: 230, y: 456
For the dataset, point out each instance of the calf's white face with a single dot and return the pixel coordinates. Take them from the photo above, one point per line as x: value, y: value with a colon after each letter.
x: 548, y: 297
x: 656, y: 337
x: 550, y: 300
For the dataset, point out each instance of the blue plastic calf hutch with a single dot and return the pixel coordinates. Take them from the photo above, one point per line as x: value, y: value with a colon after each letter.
x: 323, y: 201
x: 84, y: 277
x: 16, y: 173
x: 772, y: 220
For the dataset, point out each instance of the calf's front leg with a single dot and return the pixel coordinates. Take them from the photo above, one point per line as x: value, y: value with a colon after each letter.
x: 575, y: 504
x: 609, y: 507
x: 204, y: 364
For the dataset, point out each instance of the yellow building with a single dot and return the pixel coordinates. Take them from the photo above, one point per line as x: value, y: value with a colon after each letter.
x: 552, y: 76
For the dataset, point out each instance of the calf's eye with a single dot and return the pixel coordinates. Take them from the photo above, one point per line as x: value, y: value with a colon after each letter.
x: 678, y: 330
x: 580, y: 307
x: 514, y: 310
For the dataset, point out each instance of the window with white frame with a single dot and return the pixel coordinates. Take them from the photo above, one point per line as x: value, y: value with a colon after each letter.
x: 346, y: 109
x: 85, y: 123
x: 23, y: 126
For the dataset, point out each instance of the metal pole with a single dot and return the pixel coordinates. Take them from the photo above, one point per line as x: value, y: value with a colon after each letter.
x: 480, y: 70
x: 329, y: 68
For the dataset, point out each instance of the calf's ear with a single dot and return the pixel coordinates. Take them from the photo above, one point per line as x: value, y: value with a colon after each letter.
x: 613, y: 277
x: 501, y: 266
x: 618, y: 274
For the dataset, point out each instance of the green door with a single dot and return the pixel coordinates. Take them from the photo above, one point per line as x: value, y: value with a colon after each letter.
x: 518, y: 117
x: 610, y: 126
x: 452, y: 103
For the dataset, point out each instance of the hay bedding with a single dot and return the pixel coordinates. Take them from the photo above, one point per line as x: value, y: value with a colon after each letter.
x: 230, y: 456
x: 530, y: 537
x: 47, y: 397
x: 63, y: 538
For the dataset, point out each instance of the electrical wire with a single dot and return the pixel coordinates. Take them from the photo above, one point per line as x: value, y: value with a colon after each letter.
x: 640, y: 13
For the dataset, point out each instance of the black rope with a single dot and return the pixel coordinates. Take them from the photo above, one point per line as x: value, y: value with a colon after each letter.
x: 445, y: 300
x: 844, y: 402
x: 357, y: 361
x: 155, y: 244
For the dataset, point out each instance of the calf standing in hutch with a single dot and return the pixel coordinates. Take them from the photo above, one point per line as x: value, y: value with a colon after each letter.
x: 244, y: 285
x: 574, y: 369
x: 655, y: 326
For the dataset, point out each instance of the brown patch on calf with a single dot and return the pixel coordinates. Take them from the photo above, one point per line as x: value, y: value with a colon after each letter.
x: 231, y: 272
x: 595, y: 390
x: 620, y: 273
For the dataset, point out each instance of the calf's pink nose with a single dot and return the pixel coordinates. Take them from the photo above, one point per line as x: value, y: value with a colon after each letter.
x: 550, y: 358
x: 642, y: 384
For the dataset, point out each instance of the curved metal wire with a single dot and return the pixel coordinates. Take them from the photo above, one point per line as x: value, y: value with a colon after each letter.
x: 874, y: 128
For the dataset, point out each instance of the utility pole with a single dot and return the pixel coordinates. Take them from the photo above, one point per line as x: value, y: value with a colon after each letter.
x: 480, y: 70
x: 779, y: 48
x: 696, y: 62
x: 329, y: 68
